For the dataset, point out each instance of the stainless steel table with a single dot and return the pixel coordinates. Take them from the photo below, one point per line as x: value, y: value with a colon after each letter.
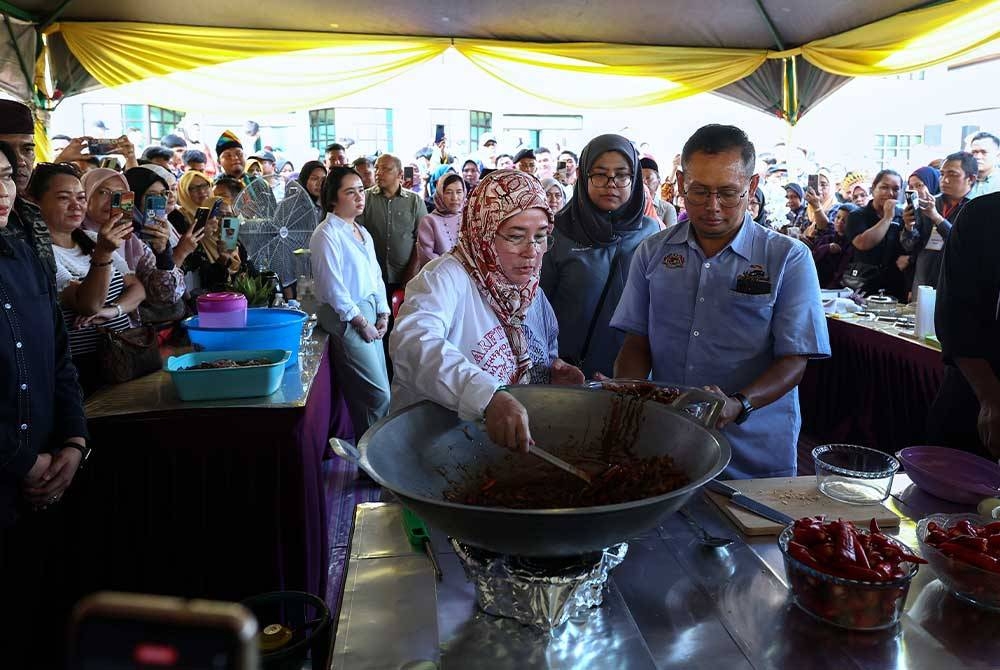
x: 671, y: 604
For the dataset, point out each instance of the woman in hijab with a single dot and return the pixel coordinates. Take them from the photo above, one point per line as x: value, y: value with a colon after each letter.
x: 311, y: 176
x: 161, y: 279
x: 437, y: 233
x: 432, y: 184
x: 758, y: 208
x: 194, y: 191
x: 474, y: 320
x: 555, y: 194
x: 584, y: 272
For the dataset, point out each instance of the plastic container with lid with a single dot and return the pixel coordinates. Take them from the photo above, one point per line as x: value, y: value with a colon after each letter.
x: 222, y: 310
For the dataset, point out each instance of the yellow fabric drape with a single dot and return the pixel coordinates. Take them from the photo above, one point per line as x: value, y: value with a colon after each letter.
x: 908, y: 41
x: 271, y: 71
x: 203, y: 69
x: 43, y: 148
x: 596, y: 75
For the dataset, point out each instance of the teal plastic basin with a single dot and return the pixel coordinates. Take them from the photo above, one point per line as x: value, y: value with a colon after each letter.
x: 222, y: 383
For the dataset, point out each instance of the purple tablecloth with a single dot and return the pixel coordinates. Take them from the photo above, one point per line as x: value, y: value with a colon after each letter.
x: 875, y: 390
x: 217, y: 503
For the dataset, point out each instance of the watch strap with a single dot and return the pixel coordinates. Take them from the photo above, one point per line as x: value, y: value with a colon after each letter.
x: 747, y: 407
x: 83, y: 449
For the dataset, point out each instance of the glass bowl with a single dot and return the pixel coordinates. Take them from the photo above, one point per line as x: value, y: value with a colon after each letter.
x: 853, y: 474
x: 968, y: 582
x: 847, y: 603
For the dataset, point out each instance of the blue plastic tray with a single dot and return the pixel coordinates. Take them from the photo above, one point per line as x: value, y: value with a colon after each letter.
x: 248, y: 382
x: 266, y: 329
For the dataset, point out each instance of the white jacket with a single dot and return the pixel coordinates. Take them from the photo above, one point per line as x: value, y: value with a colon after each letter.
x: 448, y: 346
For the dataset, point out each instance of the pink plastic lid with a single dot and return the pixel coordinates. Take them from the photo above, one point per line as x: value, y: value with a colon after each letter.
x: 222, y: 302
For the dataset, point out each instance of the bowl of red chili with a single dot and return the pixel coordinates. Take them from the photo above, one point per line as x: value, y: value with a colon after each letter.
x: 964, y: 551
x: 850, y: 577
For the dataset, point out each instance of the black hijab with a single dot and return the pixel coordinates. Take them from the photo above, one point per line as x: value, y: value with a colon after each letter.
x: 580, y: 220
x: 306, y: 172
x: 761, y: 214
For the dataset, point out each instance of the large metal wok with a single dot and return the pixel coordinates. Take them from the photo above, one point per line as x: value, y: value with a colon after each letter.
x: 420, y: 452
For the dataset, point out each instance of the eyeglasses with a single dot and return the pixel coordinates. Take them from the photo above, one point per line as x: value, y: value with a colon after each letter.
x: 605, y: 180
x: 728, y: 197
x: 200, y: 187
x: 522, y: 241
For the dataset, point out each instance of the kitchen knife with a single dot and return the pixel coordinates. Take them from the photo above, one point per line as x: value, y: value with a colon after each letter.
x: 739, y: 499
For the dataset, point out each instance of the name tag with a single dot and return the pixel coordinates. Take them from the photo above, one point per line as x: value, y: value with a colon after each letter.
x: 936, y: 242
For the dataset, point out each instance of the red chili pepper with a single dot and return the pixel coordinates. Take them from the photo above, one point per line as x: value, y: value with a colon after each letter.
x: 824, y: 553
x: 936, y: 537
x: 977, y: 543
x: 992, y: 528
x: 845, y: 542
x: 884, y: 569
x: 967, y: 555
x: 802, y: 554
x: 966, y: 528
x: 490, y: 483
x: 932, y: 526
x: 859, y: 553
x: 873, y: 526
x: 810, y: 535
x: 994, y: 541
x: 910, y: 558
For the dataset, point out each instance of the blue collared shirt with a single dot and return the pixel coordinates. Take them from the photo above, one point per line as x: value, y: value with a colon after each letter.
x: 703, y: 331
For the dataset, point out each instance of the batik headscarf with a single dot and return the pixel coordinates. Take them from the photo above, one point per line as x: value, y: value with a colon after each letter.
x: 499, y: 196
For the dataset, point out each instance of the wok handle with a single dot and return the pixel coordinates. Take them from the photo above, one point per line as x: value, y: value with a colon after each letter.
x: 345, y: 450
x: 692, y: 396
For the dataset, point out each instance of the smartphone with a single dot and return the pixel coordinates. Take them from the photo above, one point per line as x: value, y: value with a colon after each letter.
x: 201, y: 217
x: 439, y: 131
x: 560, y: 166
x: 408, y: 172
x: 126, y: 630
x: 813, y: 183
x: 156, y: 207
x: 99, y: 146
x: 122, y: 201
x: 913, y: 198
x: 111, y: 163
x: 216, y: 207
x: 229, y: 231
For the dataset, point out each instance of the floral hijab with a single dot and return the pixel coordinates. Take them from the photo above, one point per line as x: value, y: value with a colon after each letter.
x: 499, y: 196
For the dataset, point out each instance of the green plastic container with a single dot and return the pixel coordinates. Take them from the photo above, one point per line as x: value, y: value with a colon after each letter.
x: 222, y: 383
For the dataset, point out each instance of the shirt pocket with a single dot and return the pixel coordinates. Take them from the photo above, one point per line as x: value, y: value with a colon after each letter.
x: 749, y: 322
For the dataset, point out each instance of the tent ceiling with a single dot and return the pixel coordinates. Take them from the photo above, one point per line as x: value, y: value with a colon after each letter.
x: 716, y: 23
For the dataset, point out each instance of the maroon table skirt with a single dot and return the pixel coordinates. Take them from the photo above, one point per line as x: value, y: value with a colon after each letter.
x: 211, y: 503
x: 875, y: 390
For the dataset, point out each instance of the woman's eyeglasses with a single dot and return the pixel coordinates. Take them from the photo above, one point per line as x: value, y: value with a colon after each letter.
x: 605, y: 180
x: 522, y: 241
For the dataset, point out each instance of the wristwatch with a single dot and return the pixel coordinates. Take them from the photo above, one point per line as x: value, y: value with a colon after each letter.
x: 747, y: 408
x: 82, y: 448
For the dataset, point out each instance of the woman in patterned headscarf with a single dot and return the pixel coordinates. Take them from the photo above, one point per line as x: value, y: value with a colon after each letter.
x: 474, y: 320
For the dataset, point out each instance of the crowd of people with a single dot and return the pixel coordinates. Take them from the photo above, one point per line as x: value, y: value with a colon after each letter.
x: 537, y: 267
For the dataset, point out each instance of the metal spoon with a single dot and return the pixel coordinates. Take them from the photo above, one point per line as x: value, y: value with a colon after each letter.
x: 703, y: 535
x: 558, y: 462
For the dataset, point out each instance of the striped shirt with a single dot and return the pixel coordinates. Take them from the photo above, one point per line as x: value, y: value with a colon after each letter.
x: 72, y: 265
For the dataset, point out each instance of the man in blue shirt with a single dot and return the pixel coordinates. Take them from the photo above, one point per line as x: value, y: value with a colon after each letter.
x: 719, y: 301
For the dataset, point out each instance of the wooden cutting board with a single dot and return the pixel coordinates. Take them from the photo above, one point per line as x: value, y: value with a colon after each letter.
x: 797, y: 497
